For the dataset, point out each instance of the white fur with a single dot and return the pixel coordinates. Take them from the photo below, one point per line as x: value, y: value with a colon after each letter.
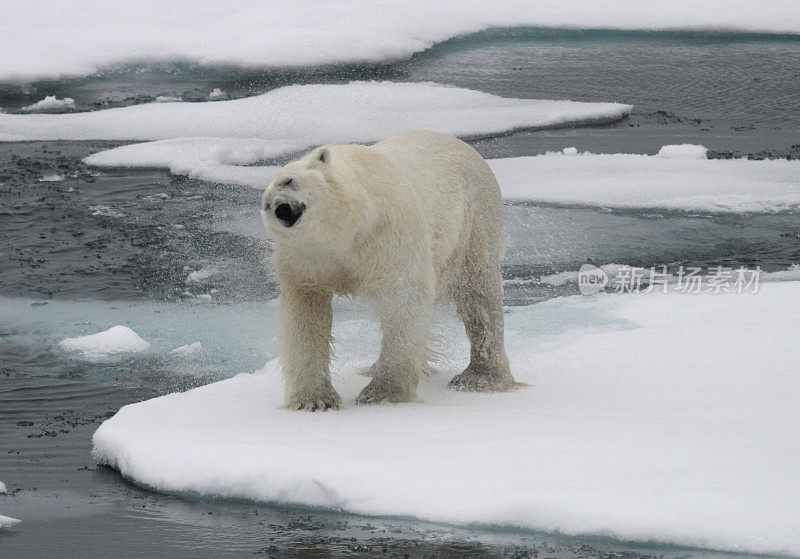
x: 411, y: 220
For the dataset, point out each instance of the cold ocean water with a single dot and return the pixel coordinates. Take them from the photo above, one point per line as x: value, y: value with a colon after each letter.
x: 100, y: 248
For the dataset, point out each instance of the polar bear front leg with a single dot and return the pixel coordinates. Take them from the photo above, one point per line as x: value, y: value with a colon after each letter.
x: 405, y: 324
x: 305, y: 346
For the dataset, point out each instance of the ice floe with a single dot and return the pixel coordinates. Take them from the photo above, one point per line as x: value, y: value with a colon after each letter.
x: 298, y: 116
x: 3, y: 488
x: 7, y: 521
x: 90, y: 34
x: 50, y: 103
x: 117, y: 339
x: 658, y: 417
x: 53, y: 177
x: 675, y: 179
x: 201, y: 275
x: 187, y: 350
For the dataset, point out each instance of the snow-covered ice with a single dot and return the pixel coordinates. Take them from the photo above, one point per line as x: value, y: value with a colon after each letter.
x: 298, y: 116
x: 167, y: 99
x: 675, y: 179
x: 117, y: 339
x: 90, y: 34
x: 50, y: 103
x: 7, y: 521
x: 187, y: 350
x: 53, y: 177
x: 201, y: 275
x: 693, y: 439
x: 683, y: 151
x: 217, y: 94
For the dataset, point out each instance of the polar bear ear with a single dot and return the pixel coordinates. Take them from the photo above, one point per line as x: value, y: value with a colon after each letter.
x: 323, y: 156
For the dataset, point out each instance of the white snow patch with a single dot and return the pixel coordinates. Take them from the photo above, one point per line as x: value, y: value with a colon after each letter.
x: 50, y: 103
x: 187, y: 350
x: 168, y: 99
x: 54, y: 177
x: 217, y: 94
x: 201, y: 275
x: 7, y: 521
x: 105, y: 211
x: 297, y: 116
x: 683, y: 151
x: 90, y: 34
x: 659, y: 417
x: 115, y: 340
x: 682, y: 181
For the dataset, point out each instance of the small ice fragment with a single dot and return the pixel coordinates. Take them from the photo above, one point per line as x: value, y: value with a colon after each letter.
x: 118, y: 339
x: 217, y: 94
x: 570, y: 151
x: 186, y: 350
x: 205, y: 297
x: 50, y: 103
x: 682, y: 151
x: 3, y: 488
x: 7, y: 521
x: 54, y: 177
x: 105, y: 211
x: 168, y: 99
x: 200, y: 275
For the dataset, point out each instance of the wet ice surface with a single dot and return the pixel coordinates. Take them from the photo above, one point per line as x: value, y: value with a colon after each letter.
x: 122, y: 245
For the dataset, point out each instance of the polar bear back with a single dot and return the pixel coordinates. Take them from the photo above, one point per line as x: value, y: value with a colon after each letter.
x: 458, y: 193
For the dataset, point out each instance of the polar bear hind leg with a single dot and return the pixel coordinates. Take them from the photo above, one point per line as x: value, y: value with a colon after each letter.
x: 479, y: 303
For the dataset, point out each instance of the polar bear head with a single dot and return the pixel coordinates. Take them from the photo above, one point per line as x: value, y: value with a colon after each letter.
x: 318, y: 200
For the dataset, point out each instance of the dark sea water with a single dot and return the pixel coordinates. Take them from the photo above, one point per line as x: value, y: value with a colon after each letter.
x: 111, y: 247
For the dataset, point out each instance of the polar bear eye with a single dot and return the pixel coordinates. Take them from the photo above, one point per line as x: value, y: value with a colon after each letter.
x: 286, y: 182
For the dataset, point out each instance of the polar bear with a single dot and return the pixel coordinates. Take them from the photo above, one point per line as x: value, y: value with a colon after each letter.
x: 410, y: 221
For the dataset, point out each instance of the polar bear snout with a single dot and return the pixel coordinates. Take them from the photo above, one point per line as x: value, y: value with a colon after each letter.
x: 288, y: 213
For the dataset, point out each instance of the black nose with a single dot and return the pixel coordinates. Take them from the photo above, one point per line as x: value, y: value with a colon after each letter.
x: 289, y: 214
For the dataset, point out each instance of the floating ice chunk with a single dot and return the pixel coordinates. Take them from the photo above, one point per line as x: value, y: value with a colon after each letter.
x: 642, y: 181
x: 7, y: 521
x: 570, y: 151
x: 168, y: 99
x: 217, y: 94
x: 105, y: 211
x: 115, y: 340
x: 187, y: 350
x: 54, y: 177
x: 50, y: 103
x: 683, y: 151
x: 299, y: 116
x: 246, y: 33
x: 201, y: 275
x: 658, y: 417
x: 3, y: 488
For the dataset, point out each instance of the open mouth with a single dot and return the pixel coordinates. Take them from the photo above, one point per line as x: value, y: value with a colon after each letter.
x: 288, y: 214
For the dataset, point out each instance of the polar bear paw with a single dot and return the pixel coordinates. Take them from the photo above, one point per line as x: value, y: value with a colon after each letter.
x: 383, y: 391
x: 322, y: 400
x: 481, y: 380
